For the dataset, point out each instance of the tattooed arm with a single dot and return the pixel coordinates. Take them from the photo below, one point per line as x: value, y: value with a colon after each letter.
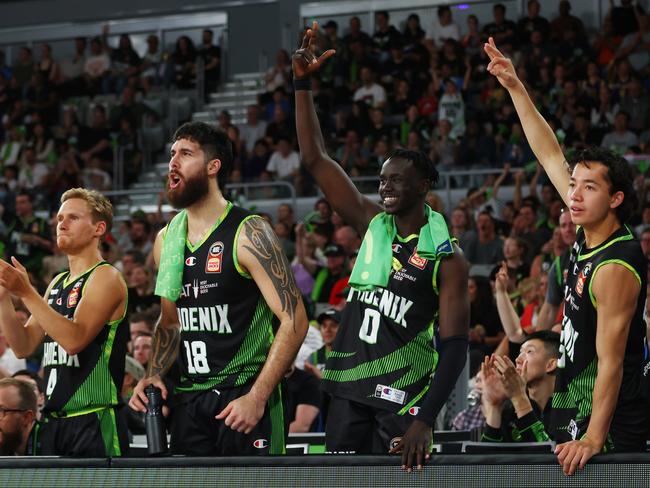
x: 260, y: 253
x: 166, y: 339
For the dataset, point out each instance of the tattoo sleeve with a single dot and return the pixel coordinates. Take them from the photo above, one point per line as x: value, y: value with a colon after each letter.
x: 266, y: 248
x: 165, y: 345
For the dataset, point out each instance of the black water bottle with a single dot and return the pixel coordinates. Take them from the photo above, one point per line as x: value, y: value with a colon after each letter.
x: 155, y: 422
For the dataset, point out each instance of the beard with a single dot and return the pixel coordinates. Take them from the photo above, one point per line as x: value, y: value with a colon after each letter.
x: 191, y: 191
x: 10, y: 442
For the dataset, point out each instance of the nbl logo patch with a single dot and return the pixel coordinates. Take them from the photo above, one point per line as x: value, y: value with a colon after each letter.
x: 215, y: 255
x: 580, y: 284
x: 260, y: 444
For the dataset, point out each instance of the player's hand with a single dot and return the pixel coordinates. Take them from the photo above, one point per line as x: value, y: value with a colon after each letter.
x: 415, y: 446
x: 138, y: 401
x: 502, y: 278
x: 243, y: 413
x: 493, y: 392
x: 15, y: 279
x: 500, y: 66
x: 304, y: 63
x: 575, y: 454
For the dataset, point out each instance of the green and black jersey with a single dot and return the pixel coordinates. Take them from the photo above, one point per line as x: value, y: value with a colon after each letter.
x: 91, y: 379
x: 226, y: 325
x: 384, y: 352
x: 529, y: 428
x: 319, y: 357
x: 578, y: 364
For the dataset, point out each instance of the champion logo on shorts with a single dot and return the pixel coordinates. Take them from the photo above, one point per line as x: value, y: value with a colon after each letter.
x: 394, y: 442
x: 414, y: 411
x: 260, y: 443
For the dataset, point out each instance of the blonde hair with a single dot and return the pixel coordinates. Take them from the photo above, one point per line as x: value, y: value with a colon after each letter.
x: 100, y: 207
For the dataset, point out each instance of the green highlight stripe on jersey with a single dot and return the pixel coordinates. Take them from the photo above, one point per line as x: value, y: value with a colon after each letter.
x: 250, y: 357
x: 222, y: 217
x: 627, y: 237
x: 235, y: 260
x: 610, y: 261
x: 579, y: 393
x: 69, y: 278
x: 418, y: 356
x: 108, y: 428
x: 276, y: 412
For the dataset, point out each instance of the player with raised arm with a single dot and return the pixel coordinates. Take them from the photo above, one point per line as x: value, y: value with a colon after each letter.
x: 81, y: 321
x: 409, y: 283
x: 597, y: 398
x: 223, y: 279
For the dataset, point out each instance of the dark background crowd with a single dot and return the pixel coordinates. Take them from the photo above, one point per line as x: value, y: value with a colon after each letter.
x: 399, y: 86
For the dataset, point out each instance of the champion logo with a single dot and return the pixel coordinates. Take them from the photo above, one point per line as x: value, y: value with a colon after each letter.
x: 59, y: 301
x: 191, y: 261
x: 397, y: 248
x: 414, y: 411
x: 260, y: 443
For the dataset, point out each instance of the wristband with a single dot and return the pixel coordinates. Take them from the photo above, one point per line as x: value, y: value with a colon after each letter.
x: 302, y: 84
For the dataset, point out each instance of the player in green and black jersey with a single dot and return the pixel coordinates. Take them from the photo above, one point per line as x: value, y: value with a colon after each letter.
x: 598, y: 384
x: 236, y: 281
x: 81, y: 322
x: 380, y: 369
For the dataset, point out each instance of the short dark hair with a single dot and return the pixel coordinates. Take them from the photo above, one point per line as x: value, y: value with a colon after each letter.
x: 619, y: 176
x: 420, y: 161
x: 384, y: 13
x: 40, y: 383
x: 500, y: 6
x: 214, y: 143
x: 442, y: 9
x: 550, y: 339
x: 27, y: 397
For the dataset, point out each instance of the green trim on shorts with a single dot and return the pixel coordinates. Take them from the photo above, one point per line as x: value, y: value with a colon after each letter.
x: 108, y: 429
x: 277, y: 422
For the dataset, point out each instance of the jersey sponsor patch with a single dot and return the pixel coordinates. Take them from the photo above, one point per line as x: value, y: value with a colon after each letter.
x: 215, y: 256
x: 580, y: 283
x: 387, y: 393
x: 417, y: 261
x: 73, y: 297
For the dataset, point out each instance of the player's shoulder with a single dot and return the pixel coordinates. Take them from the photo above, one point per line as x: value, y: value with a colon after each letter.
x: 106, y: 275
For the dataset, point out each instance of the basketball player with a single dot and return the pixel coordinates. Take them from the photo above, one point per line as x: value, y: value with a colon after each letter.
x: 235, y: 278
x: 380, y: 367
x: 598, y: 383
x: 81, y: 320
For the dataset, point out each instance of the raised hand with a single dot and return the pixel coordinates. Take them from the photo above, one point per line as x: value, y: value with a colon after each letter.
x: 502, y: 278
x: 304, y: 63
x: 500, y: 66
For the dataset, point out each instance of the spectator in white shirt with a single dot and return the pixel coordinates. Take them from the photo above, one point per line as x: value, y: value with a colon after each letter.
x: 444, y: 28
x: 620, y: 138
x: 254, y: 128
x: 370, y: 92
x: 285, y: 161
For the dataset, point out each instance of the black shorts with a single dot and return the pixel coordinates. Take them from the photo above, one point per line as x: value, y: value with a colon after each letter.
x: 196, y: 432
x: 95, y: 434
x: 357, y: 428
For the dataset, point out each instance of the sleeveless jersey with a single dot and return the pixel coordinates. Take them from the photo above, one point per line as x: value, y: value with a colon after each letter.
x: 226, y: 325
x: 578, y: 364
x: 384, y: 353
x: 92, y: 378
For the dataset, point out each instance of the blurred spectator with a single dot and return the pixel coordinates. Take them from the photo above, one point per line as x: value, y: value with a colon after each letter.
x: 413, y: 33
x: 72, y: 69
x: 9, y: 363
x: 140, y: 323
x: 94, y: 177
x: 142, y: 349
x: 625, y: 17
x: 141, y: 286
x: 281, y: 127
x: 125, y: 62
x: 255, y: 165
x: 485, y: 327
x: 352, y: 153
x: 370, y: 92
x: 212, y: 58
x: 283, y: 231
x: 532, y: 22
x: 32, y: 174
x: 94, y: 140
x: 443, y: 27
x: 24, y: 67
x: 581, y: 135
x: 444, y: 146
x: 636, y: 104
x: 305, y: 263
x: 38, y: 385
x: 385, y: 37
x: 328, y: 322
x: 486, y: 247
x: 47, y: 67
x: 139, y: 236
x: 304, y: 399
x: 348, y: 238
x: 501, y: 29
x: 472, y: 40
x: 182, y: 65
x: 29, y: 236
x: 451, y: 107
x: 17, y: 417
x: 152, y: 72
x: 331, y: 75
x: 254, y: 128
x: 565, y: 21
x: 285, y: 161
x: 279, y: 75
x: 327, y: 276
x: 356, y: 34
x: 475, y: 148
x: 621, y: 138
x: 636, y: 45
x: 129, y: 108
x: 11, y: 147
x: 97, y: 65
x: 43, y: 143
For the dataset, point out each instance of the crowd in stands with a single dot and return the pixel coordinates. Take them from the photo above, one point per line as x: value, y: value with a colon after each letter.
x: 413, y: 86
